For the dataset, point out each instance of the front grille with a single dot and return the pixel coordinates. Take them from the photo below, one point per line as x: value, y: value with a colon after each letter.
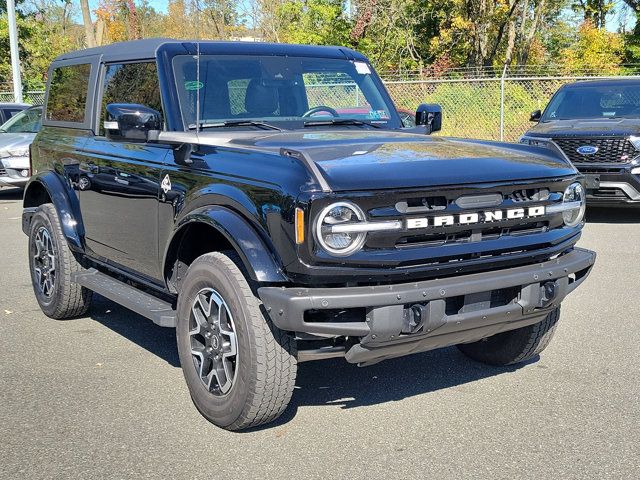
x: 445, y: 247
x: 427, y: 207
x: 610, y: 149
x: 3, y: 172
x: 528, y: 195
x: 467, y: 236
x: 600, y: 170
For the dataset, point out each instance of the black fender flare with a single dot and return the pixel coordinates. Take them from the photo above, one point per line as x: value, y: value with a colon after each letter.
x: 64, y: 202
x: 260, y: 260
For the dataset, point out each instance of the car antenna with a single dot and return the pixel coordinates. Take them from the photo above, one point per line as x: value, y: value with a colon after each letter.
x: 197, y: 66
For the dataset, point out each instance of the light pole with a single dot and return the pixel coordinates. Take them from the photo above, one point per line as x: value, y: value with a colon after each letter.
x: 15, y: 58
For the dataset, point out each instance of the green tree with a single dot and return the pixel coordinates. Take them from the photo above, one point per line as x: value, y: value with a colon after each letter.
x: 595, y: 50
x: 318, y: 22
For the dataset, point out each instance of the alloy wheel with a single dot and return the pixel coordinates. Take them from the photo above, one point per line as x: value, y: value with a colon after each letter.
x: 214, y: 346
x: 44, y: 261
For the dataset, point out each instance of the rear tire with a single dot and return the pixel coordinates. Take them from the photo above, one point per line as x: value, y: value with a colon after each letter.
x: 240, y: 368
x: 514, y: 346
x: 52, y: 265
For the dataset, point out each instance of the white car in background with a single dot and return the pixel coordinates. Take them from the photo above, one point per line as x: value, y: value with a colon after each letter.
x: 16, y: 134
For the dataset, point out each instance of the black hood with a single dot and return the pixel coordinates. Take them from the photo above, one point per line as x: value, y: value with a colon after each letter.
x: 364, y: 160
x: 614, y: 127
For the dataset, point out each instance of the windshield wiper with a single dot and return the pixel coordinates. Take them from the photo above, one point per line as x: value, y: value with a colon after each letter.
x: 339, y: 121
x: 237, y: 123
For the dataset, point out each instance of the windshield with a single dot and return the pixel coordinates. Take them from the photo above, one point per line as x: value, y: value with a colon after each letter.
x: 287, y: 92
x: 27, y: 121
x: 598, y: 101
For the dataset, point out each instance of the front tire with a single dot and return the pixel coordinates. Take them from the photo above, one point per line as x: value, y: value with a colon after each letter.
x: 240, y: 368
x: 514, y: 346
x: 52, y: 264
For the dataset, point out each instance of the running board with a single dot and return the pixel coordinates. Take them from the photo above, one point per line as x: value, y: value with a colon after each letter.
x: 159, y: 312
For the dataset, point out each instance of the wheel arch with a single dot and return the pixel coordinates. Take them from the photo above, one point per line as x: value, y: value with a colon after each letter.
x: 47, y: 187
x: 216, y: 228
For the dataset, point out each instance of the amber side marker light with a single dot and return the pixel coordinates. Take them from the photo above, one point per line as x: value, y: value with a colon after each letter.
x: 299, y: 226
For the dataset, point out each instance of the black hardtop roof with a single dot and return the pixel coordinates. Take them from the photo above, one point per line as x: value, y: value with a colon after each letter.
x: 604, y: 82
x: 147, y: 48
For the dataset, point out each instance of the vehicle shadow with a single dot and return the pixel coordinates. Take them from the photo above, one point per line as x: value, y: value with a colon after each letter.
x: 157, y: 340
x: 613, y: 215
x: 324, y: 382
x: 10, y: 194
x: 336, y: 382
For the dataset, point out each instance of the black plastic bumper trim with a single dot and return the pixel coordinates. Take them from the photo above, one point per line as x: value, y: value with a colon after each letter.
x: 385, y: 303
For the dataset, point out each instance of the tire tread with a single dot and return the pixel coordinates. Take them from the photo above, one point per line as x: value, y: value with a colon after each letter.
x: 275, y: 351
x: 73, y: 300
x: 514, y: 346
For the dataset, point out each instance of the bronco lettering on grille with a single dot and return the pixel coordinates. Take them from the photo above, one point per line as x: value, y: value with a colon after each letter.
x: 476, y: 217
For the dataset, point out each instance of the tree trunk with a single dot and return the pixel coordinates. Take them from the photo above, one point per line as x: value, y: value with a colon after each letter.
x: 364, y: 12
x: 528, y: 40
x: 134, y: 26
x: 88, y: 24
x: 99, y: 31
x: 488, y: 61
x: 511, y: 42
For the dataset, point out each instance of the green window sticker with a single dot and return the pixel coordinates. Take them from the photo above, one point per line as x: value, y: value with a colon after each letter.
x: 193, y: 85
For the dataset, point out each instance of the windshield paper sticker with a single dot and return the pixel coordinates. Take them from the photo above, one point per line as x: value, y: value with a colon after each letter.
x: 362, y: 68
x: 378, y: 114
x: 193, y: 85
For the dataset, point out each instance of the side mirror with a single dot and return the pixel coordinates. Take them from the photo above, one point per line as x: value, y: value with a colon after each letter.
x: 536, y: 115
x: 132, y: 122
x: 429, y: 114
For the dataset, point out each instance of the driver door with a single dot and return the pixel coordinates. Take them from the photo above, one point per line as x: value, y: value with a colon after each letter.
x: 120, y: 179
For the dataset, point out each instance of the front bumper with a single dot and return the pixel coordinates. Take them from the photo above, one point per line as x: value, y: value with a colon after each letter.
x: 411, y: 317
x: 615, y: 188
x: 12, y: 175
x: 13, y: 182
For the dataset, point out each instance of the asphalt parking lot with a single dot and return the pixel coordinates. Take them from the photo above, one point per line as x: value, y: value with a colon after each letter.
x: 103, y: 396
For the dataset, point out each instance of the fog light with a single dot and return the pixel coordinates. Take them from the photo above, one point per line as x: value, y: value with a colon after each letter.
x: 24, y: 173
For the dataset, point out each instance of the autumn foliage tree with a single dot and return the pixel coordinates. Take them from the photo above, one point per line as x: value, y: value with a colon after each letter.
x: 402, y: 36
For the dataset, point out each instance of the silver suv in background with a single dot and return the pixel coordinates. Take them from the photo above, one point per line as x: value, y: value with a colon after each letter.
x: 8, y: 110
x: 16, y: 134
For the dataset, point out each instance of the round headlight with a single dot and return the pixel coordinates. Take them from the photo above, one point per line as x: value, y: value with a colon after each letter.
x: 575, y: 201
x: 332, y: 229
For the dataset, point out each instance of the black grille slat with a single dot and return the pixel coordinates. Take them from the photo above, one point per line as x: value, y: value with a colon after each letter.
x: 3, y: 172
x: 529, y: 195
x: 610, y: 149
x: 384, y: 207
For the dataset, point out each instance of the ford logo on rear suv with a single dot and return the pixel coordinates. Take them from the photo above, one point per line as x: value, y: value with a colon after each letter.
x: 587, y: 150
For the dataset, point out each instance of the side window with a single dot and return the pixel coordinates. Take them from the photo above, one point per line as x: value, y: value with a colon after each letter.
x: 131, y: 83
x: 68, y: 93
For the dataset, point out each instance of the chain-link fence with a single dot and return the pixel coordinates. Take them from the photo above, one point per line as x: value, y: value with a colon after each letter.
x: 492, y: 108
x: 487, y: 108
x: 34, y: 97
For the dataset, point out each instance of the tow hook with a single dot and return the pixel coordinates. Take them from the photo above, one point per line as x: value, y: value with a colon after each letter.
x: 423, y: 317
x: 414, y: 318
x: 548, y: 294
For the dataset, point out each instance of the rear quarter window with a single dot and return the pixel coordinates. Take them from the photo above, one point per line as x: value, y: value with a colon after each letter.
x: 67, y: 100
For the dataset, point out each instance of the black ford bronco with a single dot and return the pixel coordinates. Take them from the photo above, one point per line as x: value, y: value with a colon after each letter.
x: 596, y: 125
x: 266, y: 201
